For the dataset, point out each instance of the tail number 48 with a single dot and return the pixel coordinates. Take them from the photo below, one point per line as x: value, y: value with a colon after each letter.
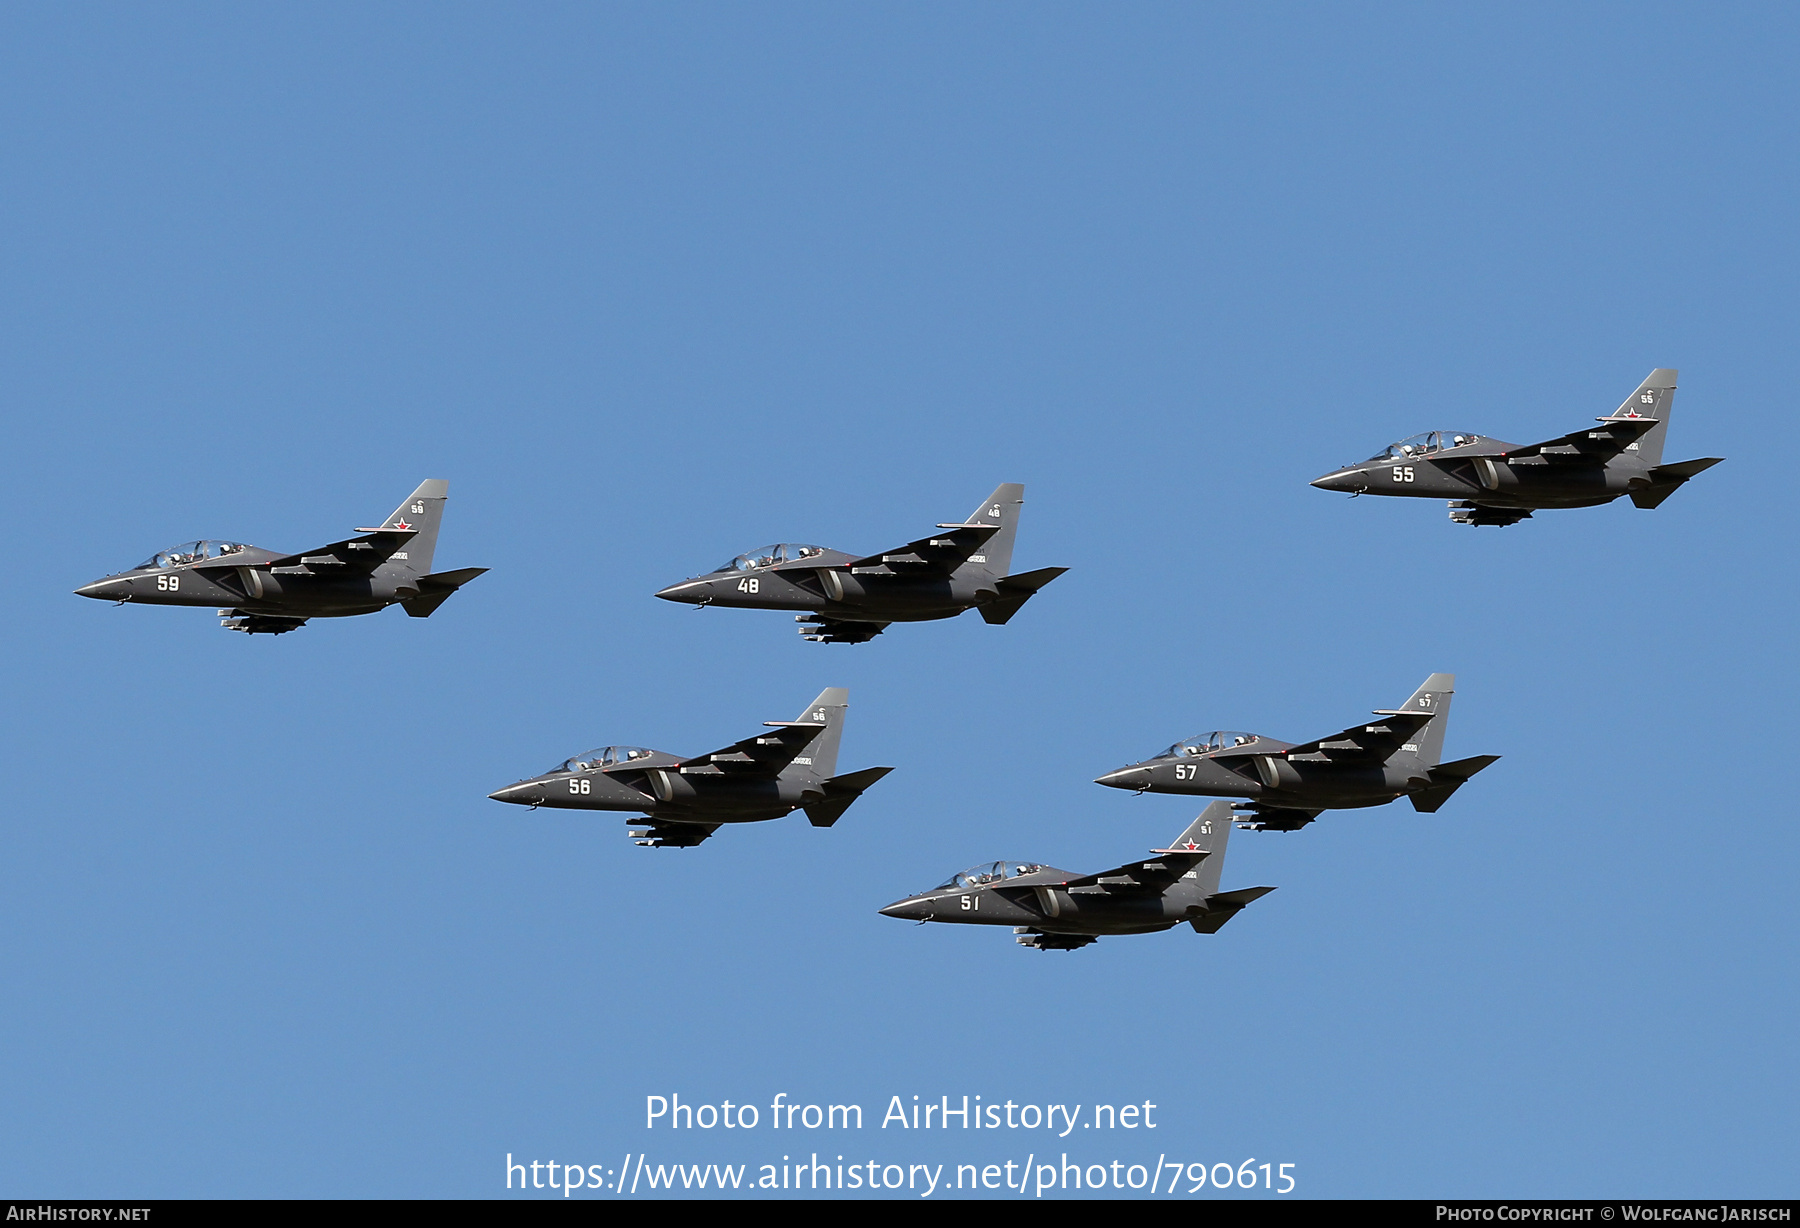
x: 1403, y: 473
x: 749, y: 585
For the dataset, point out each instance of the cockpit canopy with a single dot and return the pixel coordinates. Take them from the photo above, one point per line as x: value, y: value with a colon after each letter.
x: 606, y: 756
x: 1415, y: 446
x: 189, y: 552
x: 768, y: 556
x: 1218, y: 739
x: 992, y: 872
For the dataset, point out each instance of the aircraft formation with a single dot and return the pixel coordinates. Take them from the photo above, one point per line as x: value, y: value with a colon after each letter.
x: 839, y: 597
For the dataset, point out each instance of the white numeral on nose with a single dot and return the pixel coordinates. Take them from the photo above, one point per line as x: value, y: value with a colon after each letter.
x: 1403, y: 473
x: 749, y: 586
x: 168, y: 584
x: 579, y: 786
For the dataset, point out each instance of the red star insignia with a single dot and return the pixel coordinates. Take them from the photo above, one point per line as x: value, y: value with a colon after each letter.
x: 401, y: 524
x: 1192, y: 845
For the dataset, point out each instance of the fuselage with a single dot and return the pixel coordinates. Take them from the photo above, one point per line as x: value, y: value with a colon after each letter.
x: 825, y: 584
x: 1041, y: 900
x: 1483, y: 472
x: 1300, y: 782
x: 241, y: 580
x: 656, y: 784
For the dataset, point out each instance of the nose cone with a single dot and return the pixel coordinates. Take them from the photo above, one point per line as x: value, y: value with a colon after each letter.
x: 525, y: 793
x: 1126, y: 778
x: 1352, y: 481
x: 910, y: 909
x: 110, y: 589
x: 692, y: 592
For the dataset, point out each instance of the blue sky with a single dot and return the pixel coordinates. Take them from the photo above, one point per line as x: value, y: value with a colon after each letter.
x: 651, y: 285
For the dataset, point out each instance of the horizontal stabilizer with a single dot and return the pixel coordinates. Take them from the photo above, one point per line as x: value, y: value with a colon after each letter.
x: 840, y: 792
x: 451, y: 580
x: 1665, y: 480
x: 1225, y: 905
x: 1447, y: 778
x: 435, y: 590
x: 1014, y: 591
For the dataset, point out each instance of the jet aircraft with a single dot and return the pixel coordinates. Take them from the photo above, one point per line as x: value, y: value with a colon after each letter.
x: 850, y: 599
x: 1054, y: 910
x: 685, y: 800
x: 1288, y: 786
x: 1489, y: 481
x: 268, y: 592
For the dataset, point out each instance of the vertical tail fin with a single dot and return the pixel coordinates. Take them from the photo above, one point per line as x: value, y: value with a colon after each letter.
x: 1433, y: 697
x: 1654, y: 398
x: 423, y: 510
x: 1001, y: 508
x: 829, y: 709
x: 1209, y: 832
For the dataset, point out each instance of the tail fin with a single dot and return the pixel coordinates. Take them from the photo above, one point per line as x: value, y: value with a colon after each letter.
x: 424, y: 511
x: 840, y: 791
x: 1000, y: 508
x: 1654, y: 398
x: 828, y: 709
x: 1433, y: 697
x: 1209, y: 833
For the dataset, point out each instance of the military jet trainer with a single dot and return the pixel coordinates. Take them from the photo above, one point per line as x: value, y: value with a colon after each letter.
x: 268, y: 592
x: 848, y: 599
x: 685, y: 800
x: 1054, y: 910
x: 1368, y: 764
x: 1489, y: 481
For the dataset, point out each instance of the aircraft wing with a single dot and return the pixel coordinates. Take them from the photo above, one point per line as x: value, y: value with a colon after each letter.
x: 1600, y: 443
x: 661, y: 834
x: 1376, y: 740
x: 354, y: 556
x: 758, y: 758
x: 1149, y: 877
x: 937, y: 555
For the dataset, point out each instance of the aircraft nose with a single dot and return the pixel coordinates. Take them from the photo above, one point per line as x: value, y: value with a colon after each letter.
x: 1342, y: 479
x: 691, y: 591
x: 525, y: 793
x: 909, y: 909
x: 1125, y: 778
x: 109, y: 589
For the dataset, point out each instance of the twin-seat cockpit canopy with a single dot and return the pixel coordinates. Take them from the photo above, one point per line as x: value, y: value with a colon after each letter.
x: 1415, y: 446
x: 605, y: 757
x: 189, y: 552
x: 768, y: 556
x: 1206, y: 743
x: 992, y: 872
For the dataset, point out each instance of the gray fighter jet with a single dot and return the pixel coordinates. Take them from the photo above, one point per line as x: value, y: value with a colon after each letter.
x: 1054, y: 910
x: 1489, y: 481
x: 685, y: 800
x: 849, y: 599
x: 268, y: 592
x: 1368, y: 764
